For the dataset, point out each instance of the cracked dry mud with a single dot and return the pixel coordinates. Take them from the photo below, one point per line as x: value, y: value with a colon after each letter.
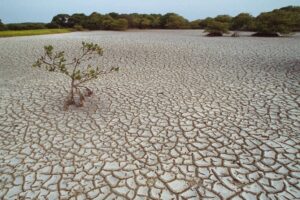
x: 187, y: 117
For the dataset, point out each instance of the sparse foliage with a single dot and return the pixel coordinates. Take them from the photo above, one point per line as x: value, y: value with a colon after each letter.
x: 77, y: 70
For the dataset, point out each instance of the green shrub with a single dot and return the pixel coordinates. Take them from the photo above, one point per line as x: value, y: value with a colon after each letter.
x: 204, y: 23
x: 77, y: 19
x: 78, y: 28
x: 243, y: 22
x: 52, y: 25
x: 195, y: 24
x: 26, y: 26
x: 119, y: 25
x: 223, y: 18
x: 145, y: 23
x: 216, y: 28
x: 93, y: 22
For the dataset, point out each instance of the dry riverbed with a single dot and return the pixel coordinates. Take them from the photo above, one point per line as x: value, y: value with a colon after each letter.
x: 186, y: 117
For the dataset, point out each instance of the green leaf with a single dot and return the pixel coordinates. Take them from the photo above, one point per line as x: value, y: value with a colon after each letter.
x: 116, y: 69
x: 77, y: 77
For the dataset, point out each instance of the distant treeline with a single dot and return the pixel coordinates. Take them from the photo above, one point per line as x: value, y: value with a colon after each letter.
x: 281, y: 20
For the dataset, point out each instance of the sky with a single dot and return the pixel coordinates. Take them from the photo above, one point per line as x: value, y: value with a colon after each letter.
x: 15, y: 11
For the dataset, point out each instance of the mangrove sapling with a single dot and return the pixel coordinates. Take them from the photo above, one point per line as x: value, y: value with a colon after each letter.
x: 77, y: 70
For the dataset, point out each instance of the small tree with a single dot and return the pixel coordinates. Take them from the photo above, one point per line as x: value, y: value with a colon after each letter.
x: 62, y: 20
x: 77, y: 19
x: 2, y: 26
x: 243, y: 22
x: 76, y: 70
x: 215, y: 28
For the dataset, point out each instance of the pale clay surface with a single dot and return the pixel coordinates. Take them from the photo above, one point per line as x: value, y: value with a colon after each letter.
x: 187, y: 117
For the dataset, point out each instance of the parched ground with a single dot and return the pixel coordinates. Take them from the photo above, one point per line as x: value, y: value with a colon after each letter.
x: 186, y: 117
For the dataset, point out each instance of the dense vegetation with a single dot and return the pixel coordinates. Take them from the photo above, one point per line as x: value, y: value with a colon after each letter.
x: 2, y: 27
x: 283, y: 20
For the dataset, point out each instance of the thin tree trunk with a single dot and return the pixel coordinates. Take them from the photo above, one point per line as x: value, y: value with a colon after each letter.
x: 72, y: 91
x: 70, y: 99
